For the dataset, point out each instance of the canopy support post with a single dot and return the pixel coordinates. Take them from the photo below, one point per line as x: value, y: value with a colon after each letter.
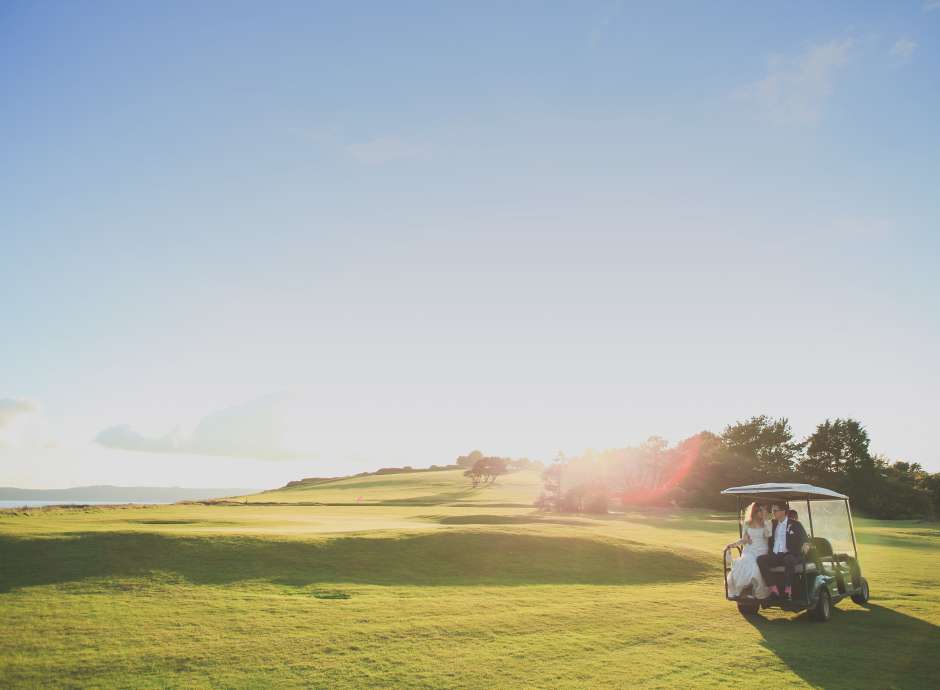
x: 848, y: 512
x: 809, y: 511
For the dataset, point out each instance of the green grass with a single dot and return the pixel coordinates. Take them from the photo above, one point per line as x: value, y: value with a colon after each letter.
x: 445, y: 487
x: 427, y: 583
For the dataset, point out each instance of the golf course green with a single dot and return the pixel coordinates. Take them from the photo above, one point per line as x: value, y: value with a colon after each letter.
x: 419, y: 580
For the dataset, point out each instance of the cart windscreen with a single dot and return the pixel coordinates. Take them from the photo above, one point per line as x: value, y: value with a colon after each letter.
x: 831, y: 521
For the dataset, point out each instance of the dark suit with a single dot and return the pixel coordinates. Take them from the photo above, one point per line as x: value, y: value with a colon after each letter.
x: 796, y: 537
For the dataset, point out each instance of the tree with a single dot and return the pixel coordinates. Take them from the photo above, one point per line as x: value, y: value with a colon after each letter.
x: 495, y: 467
x: 901, y: 489
x: 475, y: 476
x: 836, y: 446
x: 485, y: 470
x: 469, y: 460
x: 931, y: 484
x: 711, y: 471
x: 764, y: 446
x: 550, y: 498
x: 525, y: 464
x: 837, y: 454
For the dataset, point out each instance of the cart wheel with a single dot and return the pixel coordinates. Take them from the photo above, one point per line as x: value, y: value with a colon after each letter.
x: 856, y: 574
x: 748, y: 608
x: 861, y: 596
x: 823, y: 610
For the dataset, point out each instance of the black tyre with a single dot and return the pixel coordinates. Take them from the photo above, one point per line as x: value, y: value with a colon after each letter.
x: 856, y: 573
x: 747, y: 608
x: 822, y: 611
x: 861, y: 596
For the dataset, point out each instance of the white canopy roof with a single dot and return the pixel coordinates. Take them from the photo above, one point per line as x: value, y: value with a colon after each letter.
x: 784, y: 492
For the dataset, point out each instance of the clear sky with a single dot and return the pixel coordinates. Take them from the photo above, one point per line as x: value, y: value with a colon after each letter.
x: 328, y: 237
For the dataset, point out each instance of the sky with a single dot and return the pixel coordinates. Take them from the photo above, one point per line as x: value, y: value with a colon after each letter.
x: 243, y: 243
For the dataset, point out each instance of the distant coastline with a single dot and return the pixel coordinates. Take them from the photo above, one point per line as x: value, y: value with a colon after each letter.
x: 117, y: 494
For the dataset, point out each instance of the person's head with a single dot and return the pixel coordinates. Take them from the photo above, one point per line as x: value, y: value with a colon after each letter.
x: 780, y: 512
x: 755, y: 513
x: 791, y: 515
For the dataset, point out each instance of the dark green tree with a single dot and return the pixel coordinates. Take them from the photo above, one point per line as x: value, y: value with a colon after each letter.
x: 837, y: 455
x: 763, y: 447
x: 837, y: 447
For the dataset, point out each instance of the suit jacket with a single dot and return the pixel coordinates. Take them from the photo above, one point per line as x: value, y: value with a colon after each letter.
x: 796, y: 537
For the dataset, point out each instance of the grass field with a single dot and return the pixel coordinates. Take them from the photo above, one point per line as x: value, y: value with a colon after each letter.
x: 417, y: 580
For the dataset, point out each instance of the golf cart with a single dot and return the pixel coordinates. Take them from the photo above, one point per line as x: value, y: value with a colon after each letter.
x: 828, y: 572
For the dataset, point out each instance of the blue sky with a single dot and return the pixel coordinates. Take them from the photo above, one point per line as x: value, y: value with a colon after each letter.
x: 420, y: 228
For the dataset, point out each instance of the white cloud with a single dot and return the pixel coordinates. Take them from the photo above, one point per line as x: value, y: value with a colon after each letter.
x: 931, y: 5
x: 22, y: 424
x: 904, y: 48
x: 256, y: 429
x: 124, y: 437
x: 12, y: 408
x: 379, y: 150
x: 796, y: 89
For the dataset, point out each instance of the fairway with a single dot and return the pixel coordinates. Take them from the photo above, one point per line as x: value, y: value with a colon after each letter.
x: 419, y: 580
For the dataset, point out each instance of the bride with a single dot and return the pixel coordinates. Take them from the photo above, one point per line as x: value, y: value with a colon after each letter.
x: 744, y: 572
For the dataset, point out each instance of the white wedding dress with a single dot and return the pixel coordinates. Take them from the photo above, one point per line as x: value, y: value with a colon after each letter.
x: 745, y: 572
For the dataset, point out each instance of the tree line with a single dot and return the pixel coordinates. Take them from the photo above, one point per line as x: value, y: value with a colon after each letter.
x: 760, y: 449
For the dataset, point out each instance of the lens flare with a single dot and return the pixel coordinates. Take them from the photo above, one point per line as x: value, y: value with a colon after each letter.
x: 656, y: 486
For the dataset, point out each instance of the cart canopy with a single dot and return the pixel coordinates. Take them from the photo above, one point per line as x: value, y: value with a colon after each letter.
x: 784, y: 492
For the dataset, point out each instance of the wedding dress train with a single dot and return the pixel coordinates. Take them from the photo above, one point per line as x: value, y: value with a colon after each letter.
x: 745, y: 572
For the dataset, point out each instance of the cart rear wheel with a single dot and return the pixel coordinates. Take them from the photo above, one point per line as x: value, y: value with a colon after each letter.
x: 748, y: 608
x: 823, y: 609
x: 861, y: 596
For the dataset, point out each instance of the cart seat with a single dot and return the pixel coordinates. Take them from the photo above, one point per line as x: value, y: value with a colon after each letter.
x: 821, y: 548
x: 798, y: 568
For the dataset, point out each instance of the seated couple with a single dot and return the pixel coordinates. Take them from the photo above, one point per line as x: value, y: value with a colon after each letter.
x: 767, y: 545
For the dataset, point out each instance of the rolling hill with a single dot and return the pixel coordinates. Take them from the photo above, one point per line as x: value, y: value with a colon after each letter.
x: 443, y: 487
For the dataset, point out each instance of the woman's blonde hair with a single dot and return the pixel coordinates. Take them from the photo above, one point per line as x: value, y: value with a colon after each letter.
x: 750, y: 511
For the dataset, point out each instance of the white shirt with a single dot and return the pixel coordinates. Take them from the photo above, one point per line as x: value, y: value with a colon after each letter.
x: 780, y: 537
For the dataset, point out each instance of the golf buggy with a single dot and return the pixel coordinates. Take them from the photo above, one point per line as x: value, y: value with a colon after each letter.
x: 828, y: 572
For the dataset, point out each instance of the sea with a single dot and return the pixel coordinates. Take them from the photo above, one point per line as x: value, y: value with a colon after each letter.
x: 37, y: 504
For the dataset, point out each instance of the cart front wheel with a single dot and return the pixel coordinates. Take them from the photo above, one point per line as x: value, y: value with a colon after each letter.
x: 823, y: 610
x: 861, y: 596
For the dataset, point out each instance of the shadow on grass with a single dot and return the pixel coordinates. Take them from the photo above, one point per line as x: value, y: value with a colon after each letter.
x: 907, y: 541
x: 417, y: 502
x: 506, y: 520
x: 718, y: 524
x: 170, y: 521
x: 475, y: 504
x: 429, y: 499
x: 450, y: 558
x: 871, y: 646
x: 443, y: 498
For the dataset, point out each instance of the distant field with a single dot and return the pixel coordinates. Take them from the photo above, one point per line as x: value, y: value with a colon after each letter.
x: 417, y: 580
x: 448, y: 487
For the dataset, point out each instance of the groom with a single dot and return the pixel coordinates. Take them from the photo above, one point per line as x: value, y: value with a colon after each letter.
x: 787, y: 543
